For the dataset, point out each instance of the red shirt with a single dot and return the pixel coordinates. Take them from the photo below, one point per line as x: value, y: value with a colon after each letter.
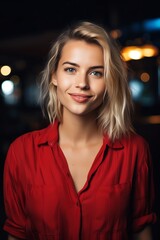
x: 41, y: 201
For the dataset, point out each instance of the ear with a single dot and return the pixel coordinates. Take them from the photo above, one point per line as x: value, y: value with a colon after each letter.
x: 54, y: 79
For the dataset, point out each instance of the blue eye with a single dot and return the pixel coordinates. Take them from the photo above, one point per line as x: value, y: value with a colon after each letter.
x: 70, y: 70
x: 96, y: 73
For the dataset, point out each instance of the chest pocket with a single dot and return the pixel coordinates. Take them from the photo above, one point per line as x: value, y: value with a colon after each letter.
x: 42, y: 208
x: 112, y: 207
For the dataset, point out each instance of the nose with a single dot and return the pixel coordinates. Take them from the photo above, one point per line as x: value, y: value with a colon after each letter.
x: 82, y: 82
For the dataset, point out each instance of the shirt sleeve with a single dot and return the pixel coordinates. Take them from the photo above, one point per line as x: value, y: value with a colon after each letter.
x: 143, y: 191
x: 13, y: 197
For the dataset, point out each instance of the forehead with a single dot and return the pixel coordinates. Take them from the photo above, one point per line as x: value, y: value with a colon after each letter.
x: 80, y: 49
x: 73, y: 43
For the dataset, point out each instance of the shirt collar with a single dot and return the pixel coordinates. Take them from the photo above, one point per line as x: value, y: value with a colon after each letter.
x: 117, y: 144
x: 49, y: 135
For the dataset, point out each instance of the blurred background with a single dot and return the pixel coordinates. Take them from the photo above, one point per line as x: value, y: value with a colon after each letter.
x: 27, y: 30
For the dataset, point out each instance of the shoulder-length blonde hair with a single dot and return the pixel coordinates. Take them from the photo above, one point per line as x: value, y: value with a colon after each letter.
x: 114, y: 116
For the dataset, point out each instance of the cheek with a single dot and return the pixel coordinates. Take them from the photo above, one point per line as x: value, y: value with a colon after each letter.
x: 62, y: 88
x: 100, y: 89
x: 64, y: 83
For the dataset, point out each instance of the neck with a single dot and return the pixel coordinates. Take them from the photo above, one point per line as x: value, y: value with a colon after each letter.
x: 78, y: 130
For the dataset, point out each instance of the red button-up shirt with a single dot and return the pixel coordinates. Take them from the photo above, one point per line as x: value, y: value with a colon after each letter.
x: 42, y: 203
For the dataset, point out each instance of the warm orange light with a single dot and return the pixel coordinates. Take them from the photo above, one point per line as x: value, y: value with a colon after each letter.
x: 116, y: 33
x: 132, y: 52
x: 149, y: 50
x: 154, y: 119
x: 125, y: 56
x: 145, y: 77
x: 136, y: 53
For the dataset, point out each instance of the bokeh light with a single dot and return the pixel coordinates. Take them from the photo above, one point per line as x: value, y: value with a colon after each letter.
x: 7, y: 87
x: 5, y: 70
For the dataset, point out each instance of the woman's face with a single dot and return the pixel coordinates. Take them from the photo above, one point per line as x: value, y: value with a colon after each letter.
x: 80, y: 78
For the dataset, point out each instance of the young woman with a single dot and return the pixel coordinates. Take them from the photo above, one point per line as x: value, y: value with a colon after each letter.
x: 88, y: 175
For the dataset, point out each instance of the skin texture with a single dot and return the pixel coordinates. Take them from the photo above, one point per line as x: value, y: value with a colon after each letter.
x: 80, y: 71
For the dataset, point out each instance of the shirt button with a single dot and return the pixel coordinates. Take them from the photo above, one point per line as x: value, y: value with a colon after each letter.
x: 77, y: 204
x: 50, y: 144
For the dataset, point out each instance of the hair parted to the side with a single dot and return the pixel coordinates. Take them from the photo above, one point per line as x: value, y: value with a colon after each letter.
x: 114, y: 116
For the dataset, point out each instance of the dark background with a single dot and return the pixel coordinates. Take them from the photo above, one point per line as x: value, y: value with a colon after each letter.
x: 27, y: 30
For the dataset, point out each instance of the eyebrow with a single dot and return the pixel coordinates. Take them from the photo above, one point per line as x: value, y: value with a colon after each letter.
x: 76, y: 65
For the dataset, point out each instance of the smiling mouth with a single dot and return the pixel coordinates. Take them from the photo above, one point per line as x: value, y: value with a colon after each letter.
x: 80, y: 98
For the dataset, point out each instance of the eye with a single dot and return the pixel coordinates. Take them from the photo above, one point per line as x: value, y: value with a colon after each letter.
x: 96, y: 73
x: 69, y: 70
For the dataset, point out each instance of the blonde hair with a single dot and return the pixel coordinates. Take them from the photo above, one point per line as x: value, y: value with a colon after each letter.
x: 114, y: 116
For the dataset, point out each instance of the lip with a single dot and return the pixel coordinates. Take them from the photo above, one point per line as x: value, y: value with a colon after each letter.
x: 79, y: 97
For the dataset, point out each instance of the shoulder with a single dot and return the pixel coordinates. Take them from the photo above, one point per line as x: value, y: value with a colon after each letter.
x: 137, y: 147
x: 24, y: 147
x: 135, y: 141
x: 29, y: 138
x: 31, y: 141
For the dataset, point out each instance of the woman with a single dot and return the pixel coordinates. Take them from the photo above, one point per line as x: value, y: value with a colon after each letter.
x: 88, y: 175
